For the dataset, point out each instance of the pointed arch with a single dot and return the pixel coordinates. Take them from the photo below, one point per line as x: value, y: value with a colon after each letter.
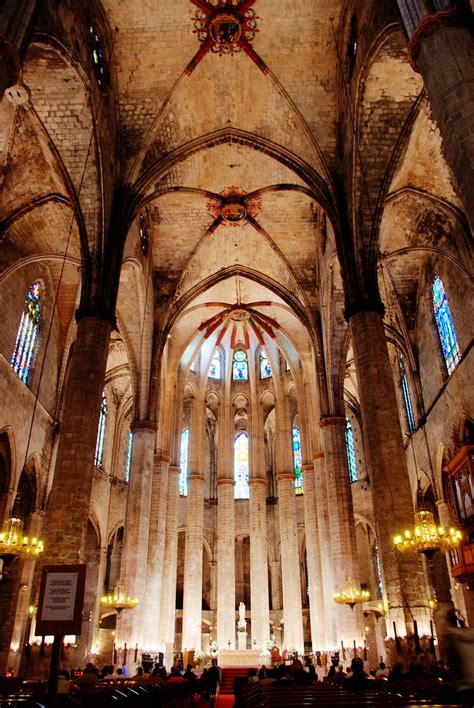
x: 241, y: 466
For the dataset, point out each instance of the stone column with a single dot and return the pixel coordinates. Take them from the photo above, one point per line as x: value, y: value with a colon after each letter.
x: 290, y: 565
x: 225, y: 563
x: 156, y: 549
x: 341, y: 526
x: 133, y: 574
x: 192, y: 596
x: 275, y: 574
x: 170, y: 561
x: 327, y: 571
x: 67, y: 513
x: 442, y: 50
x: 393, y: 502
x: 259, y: 563
x: 315, y: 584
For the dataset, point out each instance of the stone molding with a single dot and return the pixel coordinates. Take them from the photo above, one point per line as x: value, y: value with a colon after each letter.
x: 307, y: 468
x: 370, y: 305
x: 160, y: 457
x: 196, y: 476
x: 285, y: 475
x: 225, y: 480
x: 143, y: 425
x: 332, y: 420
x: 174, y: 468
x: 97, y: 312
x: 258, y: 480
x: 11, y: 59
x: 318, y: 456
x: 427, y: 27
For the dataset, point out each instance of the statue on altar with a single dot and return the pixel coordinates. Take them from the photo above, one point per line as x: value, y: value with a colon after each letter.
x: 242, y: 624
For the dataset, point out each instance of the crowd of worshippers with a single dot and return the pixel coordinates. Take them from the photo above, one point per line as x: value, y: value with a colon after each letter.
x: 206, y: 684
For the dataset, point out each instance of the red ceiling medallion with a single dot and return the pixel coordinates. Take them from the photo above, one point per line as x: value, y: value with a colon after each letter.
x: 225, y: 28
x: 235, y: 206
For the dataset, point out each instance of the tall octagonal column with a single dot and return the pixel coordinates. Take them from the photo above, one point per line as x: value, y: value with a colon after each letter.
x: 166, y: 632
x: 225, y: 563
x: 259, y: 563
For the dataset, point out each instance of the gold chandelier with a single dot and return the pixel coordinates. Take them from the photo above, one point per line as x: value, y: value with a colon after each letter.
x: 13, y: 544
x: 119, y: 600
x: 350, y: 594
x: 426, y: 537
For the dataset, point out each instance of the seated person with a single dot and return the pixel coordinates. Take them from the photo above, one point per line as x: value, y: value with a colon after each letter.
x: 358, y: 680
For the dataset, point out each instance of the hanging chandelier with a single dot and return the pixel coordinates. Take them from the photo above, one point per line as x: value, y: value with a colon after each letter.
x: 119, y: 600
x: 350, y: 594
x: 13, y: 544
x: 426, y: 537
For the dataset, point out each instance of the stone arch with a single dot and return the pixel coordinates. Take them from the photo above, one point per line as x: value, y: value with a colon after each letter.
x: 114, y: 558
x: 6, y: 470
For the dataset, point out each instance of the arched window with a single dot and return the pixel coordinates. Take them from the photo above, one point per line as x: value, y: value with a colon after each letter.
x: 240, y: 367
x: 100, y: 65
x: 407, y: 397
x: 128, y: 465
x: 99, y: 446
x: 184, y: 463
x: 297, y: 461
x: 215, y: 370
x: 265, y: 368
x: 378, y: 571
x: 27, y: 335
x: 241, y: 466
x: 444, y: 323
x: 350, y: 449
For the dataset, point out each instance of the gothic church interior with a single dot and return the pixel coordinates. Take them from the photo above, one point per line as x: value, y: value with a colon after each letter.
x: 236, y: 326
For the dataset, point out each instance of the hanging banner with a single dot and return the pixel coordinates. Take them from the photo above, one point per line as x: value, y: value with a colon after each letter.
x: 61, y: 600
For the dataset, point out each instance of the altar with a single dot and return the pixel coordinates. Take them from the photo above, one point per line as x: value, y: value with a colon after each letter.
x: 243, y: 657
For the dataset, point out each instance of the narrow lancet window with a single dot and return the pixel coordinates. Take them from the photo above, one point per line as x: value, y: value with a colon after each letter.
x: 215, y: 369
x: 128, y: 465
x: 99, y: 447
x: 407, y: 397
x: 297, y: 461
x: 350, y: 450
x: 265, y: 368
x: 444, y: 323
x: 28, y: 332
x: 240, y: 367
x: 241, y: 466
x: 184, y: 463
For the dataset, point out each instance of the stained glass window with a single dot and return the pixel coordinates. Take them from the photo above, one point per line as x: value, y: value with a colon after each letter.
x: 28, y: 331
x: 240, y: 367
x: 144, y: 237
x: 128, y: 465
x: 407, y: 397
x: 444, y: 323
x: 350, y: 449
x: 100, y: 66
x: 99, y: 446
x: 265, y: 368
x: 184, y: 463
x: 297, y: 461
x: 215, y: 370
x: 378, y: 571
x: 241, y: 466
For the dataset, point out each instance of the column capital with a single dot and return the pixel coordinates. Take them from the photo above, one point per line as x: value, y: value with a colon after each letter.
x: 318, y: 456
x: 332, y: 420
x: 281, y: 476
x: 369, y: 305
x: 97, y: 313
x: 307, y: 468
x: 196, y: 476
x: 138, y: 425
x: 224, y: 481
x: 160, y: 457
x: 174, y: 469
x: 428, y: 26
x: 257, y: 481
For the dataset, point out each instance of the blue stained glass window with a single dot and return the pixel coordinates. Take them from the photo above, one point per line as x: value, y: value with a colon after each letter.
x: 128, y: 465
x: 215, y: 370
x: 350, y: 449
x: 444, y: 323
x: 241, y: 466
x: 265, y: 368
x: 184, y: 463
x: 27, y: 335
x: 99, y: 446
x: 100, y: 65
x: 297, y: 461
x: 240, y: 367
x: 407, y: 397
x: 378, y: 571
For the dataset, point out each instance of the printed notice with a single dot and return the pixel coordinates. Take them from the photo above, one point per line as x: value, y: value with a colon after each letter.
x: 59, y: 597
